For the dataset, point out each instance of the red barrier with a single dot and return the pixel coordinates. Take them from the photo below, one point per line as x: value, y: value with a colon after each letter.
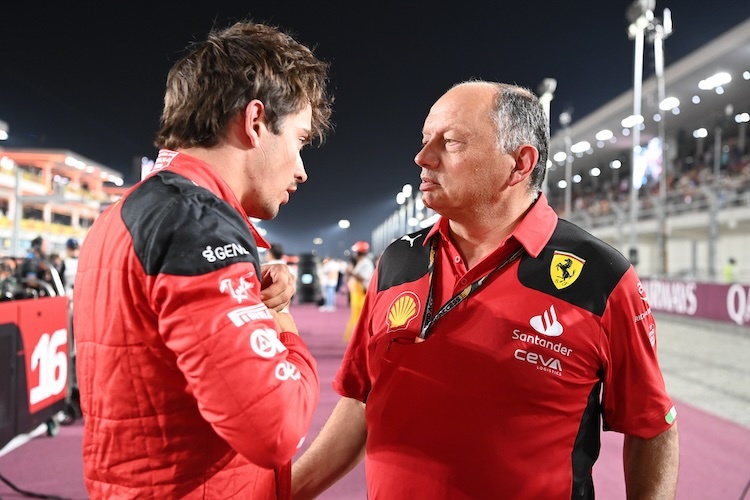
x: 34, y: 371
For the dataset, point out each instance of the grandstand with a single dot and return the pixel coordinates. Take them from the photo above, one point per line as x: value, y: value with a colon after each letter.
x: 54, y: 193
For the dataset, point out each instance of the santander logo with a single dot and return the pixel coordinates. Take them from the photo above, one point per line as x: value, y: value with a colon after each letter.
x: 547, y: 323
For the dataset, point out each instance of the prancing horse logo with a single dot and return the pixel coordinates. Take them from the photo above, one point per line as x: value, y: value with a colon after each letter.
x: 565, y: 269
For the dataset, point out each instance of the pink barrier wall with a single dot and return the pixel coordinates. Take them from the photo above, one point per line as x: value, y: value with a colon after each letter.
x: 719, y: 302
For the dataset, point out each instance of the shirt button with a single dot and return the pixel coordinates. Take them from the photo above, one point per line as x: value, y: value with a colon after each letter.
x: 463, y: 281
x: 457, y: 258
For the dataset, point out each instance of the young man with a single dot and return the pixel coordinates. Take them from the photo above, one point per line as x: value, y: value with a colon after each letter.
x: 193, y: 384
x: 491, y: 344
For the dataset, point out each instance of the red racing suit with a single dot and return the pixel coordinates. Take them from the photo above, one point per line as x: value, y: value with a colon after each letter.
x: 187, y: 389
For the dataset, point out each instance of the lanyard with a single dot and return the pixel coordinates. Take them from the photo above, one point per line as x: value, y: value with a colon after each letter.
x: 428, y: 320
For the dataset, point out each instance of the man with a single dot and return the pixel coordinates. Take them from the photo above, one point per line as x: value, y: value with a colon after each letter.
x: 36, y: 266
x: 329, y: 279
x: 730, y: 270
x: 491, y: 343
x: 193, y: 384
x: 70, y: 265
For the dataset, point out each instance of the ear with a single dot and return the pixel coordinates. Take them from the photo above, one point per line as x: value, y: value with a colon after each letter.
x: 254, y: 121
x: 526, y: 158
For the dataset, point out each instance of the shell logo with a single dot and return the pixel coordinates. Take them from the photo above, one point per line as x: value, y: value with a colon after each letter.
x: 403, y: 309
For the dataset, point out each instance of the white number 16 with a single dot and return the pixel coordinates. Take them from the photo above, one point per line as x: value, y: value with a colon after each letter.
x: 52, y: 364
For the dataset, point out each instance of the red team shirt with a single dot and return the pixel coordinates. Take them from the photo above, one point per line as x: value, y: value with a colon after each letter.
x: 505, y: 397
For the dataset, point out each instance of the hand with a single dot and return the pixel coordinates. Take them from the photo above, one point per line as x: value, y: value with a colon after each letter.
x: 285, y: 322
x: 276, y: 286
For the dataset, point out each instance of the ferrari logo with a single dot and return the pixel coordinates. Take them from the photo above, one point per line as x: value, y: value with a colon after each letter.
x: 565, y: 269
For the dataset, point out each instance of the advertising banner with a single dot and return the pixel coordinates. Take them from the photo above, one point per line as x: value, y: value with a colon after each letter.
x: 712, y: 301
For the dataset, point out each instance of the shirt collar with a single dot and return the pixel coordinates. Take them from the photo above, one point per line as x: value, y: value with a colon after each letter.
x: 533, y: 232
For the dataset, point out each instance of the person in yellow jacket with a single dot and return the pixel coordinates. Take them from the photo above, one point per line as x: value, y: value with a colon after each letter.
x: 357, y: 283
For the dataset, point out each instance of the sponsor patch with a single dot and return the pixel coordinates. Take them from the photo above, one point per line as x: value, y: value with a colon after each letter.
x: 223, y: 252
x: 565, y: 269
x: 265, y: 343
x: 245, y: 315
x: 547, y: 323
x: 403, y: 309
x: 238, y: 289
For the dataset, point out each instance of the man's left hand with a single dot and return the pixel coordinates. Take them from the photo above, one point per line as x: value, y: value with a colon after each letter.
x: 276, y: 286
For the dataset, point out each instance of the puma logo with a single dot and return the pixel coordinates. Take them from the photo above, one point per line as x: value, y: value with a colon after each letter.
x: 410, y: 240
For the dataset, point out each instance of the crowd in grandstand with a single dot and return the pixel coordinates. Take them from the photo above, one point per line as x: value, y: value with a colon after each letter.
x: 596, y: 202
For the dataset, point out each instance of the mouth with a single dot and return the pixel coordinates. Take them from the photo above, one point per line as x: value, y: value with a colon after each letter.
x: 427, y: 183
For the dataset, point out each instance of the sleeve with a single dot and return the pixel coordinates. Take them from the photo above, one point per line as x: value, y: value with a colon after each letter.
x: 635, y: 400
x: 257, y: 387
x: 352, y: 378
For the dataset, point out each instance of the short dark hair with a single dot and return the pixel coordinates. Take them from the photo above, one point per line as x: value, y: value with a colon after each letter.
x: 37, y: 242
x: 218, y: 77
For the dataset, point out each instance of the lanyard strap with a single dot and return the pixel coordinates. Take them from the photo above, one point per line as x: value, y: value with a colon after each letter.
x: 428, y: 320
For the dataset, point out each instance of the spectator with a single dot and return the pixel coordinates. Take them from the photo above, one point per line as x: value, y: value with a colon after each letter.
x: 35, y: 266
x: 357, y: 283
x: 730, y: 270
x: 329, y: 278
x: 70, y: 265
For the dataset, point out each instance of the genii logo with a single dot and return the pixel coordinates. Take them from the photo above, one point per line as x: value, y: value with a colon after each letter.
x: 565, y: 269
x: 402, y: 310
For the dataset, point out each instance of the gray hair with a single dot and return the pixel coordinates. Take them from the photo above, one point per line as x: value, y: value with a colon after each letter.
x: 520, y: 119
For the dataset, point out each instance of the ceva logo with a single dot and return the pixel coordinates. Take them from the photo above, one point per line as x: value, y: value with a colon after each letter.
x: 547, y: 364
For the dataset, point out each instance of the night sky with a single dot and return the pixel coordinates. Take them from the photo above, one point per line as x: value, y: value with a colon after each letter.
x: 91, y: 80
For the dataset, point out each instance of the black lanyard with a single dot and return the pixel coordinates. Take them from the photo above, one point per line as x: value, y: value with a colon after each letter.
x: 428, y: 320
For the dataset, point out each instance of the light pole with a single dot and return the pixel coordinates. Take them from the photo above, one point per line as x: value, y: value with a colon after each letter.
x: 546, y: 91
x: 565, y: 118
x: 658, y: 33
x: 713, y: 224
x: 639, y: 14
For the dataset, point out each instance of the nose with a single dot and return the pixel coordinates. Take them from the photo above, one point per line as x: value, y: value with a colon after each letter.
x: 424, y: 157
x: 300, y: 175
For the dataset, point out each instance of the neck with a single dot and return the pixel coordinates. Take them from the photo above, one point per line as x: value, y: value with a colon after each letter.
x: 478, y: 237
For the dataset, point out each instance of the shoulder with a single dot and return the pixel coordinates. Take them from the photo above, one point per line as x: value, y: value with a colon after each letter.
x: 576, y: 267
x: 406, y: 259
x: 180, y: 228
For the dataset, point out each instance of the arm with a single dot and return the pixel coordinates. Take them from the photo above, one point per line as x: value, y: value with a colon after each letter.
x: 651, y: 465
x: 339, y: 447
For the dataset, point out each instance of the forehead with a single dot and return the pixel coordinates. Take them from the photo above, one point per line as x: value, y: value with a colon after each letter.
x: 300, y: 120
x: 462, y: 108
